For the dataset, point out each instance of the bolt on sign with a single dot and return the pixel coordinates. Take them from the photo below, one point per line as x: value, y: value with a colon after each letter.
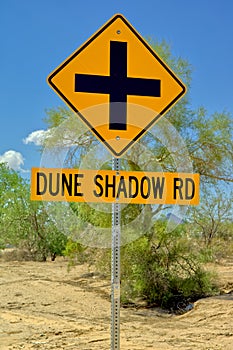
x: 107, y: 186
x: 118, y: 70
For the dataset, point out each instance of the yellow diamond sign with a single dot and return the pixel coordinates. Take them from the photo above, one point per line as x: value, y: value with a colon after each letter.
x: 117, y: 85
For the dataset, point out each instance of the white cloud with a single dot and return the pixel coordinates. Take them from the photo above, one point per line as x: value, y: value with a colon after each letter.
x: 37, y: 137
x: 13, y: 159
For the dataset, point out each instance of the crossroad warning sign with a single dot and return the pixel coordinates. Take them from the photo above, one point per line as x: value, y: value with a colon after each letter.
x: 117, y: 71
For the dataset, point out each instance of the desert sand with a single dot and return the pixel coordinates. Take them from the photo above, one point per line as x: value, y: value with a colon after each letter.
x: 45, y: 306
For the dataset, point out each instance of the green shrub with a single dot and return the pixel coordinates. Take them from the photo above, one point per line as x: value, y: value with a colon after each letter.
x: 163, y: 270
x: 74, y: 251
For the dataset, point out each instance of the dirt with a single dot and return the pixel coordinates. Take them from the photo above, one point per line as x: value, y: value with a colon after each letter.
x: 45, y: 306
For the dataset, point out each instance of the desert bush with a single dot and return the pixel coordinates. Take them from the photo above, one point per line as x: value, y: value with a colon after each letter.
x: 163, y: 270
x: 77, y: 254
x: 25, y: 224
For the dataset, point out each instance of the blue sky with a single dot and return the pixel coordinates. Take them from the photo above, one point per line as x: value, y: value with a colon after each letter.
x: 36, y: 36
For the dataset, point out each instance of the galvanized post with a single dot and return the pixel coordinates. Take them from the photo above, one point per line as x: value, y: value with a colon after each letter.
x: 115, y: 278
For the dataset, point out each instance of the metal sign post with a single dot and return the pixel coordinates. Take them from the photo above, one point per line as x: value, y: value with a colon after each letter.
x: 115, y: 273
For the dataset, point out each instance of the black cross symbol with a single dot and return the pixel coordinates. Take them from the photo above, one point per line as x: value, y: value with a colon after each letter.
x: 118, y: 85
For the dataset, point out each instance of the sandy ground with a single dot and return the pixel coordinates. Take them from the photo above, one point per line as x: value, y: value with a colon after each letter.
x: 43, y: 306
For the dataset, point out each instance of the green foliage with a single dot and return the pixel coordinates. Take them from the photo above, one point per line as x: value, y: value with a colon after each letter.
x: 211, y: 146
x: 54, y: 117
x: 213, y: 217
x: 75, y: 252
x: 86, y: 213
x: 25, y: 224
x: 163, y: 271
